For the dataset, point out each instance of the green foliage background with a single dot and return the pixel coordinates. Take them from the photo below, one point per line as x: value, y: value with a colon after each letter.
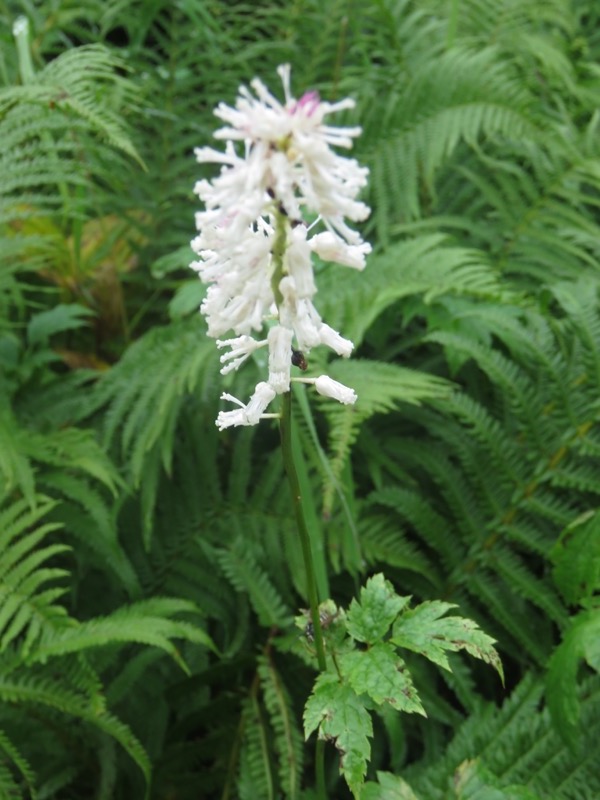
x: 149, y: 566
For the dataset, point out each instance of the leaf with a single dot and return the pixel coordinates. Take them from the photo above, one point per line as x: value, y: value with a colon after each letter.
x: 370, y: 619
x: 187, y: 299
x: 576, y: 558
x: 145, y: 622
x: 256, y: 778
x: 15, y: 757
x: 422, y: 631
x: 15, y: 469
x: 287, y: 741
x: 582, y: 641
x: 388, y: 787
x: 339, y: 715
x: 473, y: 781
x: 60, y: 318
x: 379, y: 673
x: 26, y: 689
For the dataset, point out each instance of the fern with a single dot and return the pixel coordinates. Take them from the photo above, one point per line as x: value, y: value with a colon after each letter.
x: 519, y: 747
x: 32, y: 690
x: 256, y: 778
x: 288, y: 738
x: 144, y: 405
x: 473, y: 445
x: 425, y: 122
x: 28, y: 604
x: 33, y: 117
x: 8, y: 786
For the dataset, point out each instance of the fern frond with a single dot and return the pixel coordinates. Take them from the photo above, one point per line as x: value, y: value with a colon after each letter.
x: 146, y: 622
x: 425, y: 265
x: 288, y: 740
x: 246, y: 574
x: 15, y: 469
x: 256, y: 777
x: 144, y: 404
x: 8, y: 788
x: 28, y: 605
x: 464, y: 95
x: 69, y: 85
x: 27, y: 689
x: 380, y: 389
x: 88, y: 516
x: 519, y: 746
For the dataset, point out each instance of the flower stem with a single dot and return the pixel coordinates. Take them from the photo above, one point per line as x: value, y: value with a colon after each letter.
x: 285, y: 427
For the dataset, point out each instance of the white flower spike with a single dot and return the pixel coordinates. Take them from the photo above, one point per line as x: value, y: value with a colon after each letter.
x: 254, y: 246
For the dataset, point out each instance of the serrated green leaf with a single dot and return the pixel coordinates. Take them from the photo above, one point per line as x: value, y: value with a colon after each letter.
x: 423, y: 631
x: 582, y: 641
x: 369, y: 619
x: 379, y: 673
x: 339, y: 715
x: 388, y: 787
x: 576, y: 558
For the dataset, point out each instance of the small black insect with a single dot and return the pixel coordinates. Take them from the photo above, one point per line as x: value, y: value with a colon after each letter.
x: 325, y: 618
x: 298, y: 360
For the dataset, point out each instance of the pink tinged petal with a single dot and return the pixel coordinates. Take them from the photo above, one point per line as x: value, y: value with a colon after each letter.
x: 337, y: 391
x: 280, y: 358
x: 308, y: 103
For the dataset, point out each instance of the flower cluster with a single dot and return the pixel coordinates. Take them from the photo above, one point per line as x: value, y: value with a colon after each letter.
x: 255, y: 246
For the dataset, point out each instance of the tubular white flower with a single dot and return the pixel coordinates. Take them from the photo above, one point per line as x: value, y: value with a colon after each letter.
x: 250, y: 414
x: 330, y: 388
x: 334, y: 389
x: 343, y: 347
x: 330, y: 247
x: 280, y: 352
x: 263, y: 394
x: 298, y: 263
x: 254, y: 249
x: 241, y: 349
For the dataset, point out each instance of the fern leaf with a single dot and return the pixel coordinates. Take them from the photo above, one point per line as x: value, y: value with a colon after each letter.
x: 288, y: 740
x: 246, y: 575
x: 146, y: 622
x: 256, y: 778
x: 30, y: 690
x: 14, y: 467
x: 8, y: 788
x: 26, y: 607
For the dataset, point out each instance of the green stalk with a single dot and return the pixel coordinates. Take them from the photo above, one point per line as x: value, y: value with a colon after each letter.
x: 285, y: 428
x: 452, y: 23
x: 27, y: 74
